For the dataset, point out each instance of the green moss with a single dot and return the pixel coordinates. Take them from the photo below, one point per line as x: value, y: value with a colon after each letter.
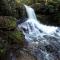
x: 9, y: 35
x: 17, y: 37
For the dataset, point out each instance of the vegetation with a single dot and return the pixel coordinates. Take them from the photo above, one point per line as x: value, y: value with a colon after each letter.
x: 9, y: 36
x: 47, y: 11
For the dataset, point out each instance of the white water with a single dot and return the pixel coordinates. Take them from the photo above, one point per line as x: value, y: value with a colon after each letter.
x: 33, y: 27
x: 34, y: 33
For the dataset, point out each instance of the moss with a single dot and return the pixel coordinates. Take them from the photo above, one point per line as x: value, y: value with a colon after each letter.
x: 16, y: 37
x: 10, y: 37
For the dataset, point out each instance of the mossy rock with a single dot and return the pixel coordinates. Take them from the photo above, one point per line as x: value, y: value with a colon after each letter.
x: 10, y: 36
x: 7, y: 22
x: 8, y: 27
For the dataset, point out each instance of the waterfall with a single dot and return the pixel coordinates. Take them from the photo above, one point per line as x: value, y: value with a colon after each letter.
x: 43, y: 40
x: 30, y: 12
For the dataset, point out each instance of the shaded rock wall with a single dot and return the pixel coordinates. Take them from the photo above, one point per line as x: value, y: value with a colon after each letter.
x: 10, y: 38
x: 48, y: 14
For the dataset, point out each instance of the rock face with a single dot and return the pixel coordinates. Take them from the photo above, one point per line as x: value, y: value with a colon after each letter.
x: 47, y: 14
x: 11, y: 8
x: 10, y: 38
x: 7, y: 7
x: 8, y: 32
x: 25, y: 56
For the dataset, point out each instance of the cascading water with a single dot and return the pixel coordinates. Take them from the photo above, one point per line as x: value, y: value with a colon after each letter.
x: 43, y: 40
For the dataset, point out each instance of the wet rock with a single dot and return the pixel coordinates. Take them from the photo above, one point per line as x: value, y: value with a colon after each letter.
x: 47, y: 14
x: 25, y: 56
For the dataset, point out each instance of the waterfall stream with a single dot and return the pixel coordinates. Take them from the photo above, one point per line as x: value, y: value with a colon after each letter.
x: 43, y: 40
